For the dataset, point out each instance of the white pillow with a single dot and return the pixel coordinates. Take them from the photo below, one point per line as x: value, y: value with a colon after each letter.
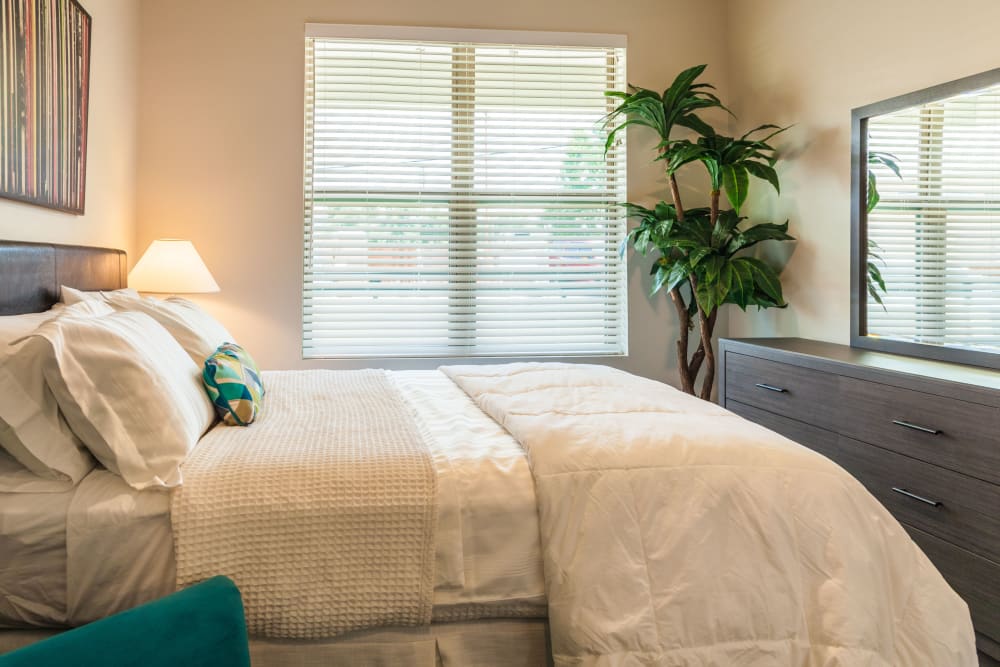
x: 15, y: 327
x: 32, y: 430
x: 198, y: 333
x: 70, y: 296
x: 128, y: 390
x: 15, y: 478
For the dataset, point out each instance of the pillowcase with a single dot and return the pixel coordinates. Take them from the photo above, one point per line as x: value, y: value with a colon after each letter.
x: 70, y: 296
x: 233, y: 382
x: 15, y: 478
x: 16, y: 327
x: 32, y: 429
x: 198, y: 333
x: 128, y: 390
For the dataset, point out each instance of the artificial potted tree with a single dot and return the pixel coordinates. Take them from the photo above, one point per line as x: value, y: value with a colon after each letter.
x: 702, y: 257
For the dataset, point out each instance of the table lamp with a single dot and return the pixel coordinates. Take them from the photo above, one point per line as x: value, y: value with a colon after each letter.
x: 172, y: 266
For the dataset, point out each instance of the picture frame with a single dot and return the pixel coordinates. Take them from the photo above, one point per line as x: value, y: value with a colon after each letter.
x: 44, y: 98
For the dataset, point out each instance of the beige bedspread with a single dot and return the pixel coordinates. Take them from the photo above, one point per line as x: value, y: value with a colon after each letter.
x: 677, y: 533
x: 323, y: 512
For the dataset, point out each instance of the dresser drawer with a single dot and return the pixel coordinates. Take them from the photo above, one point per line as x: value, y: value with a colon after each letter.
x: 968, y: 511
x: 791, y: 391
x: 950, y: 433
x: 974, y: 578
x: 815, y: 438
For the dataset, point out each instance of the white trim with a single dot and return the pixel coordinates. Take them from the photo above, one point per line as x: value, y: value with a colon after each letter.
x: 469, y: 35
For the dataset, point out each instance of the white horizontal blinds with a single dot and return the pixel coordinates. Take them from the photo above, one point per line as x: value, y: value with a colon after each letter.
x: 938, y: 228
x: 458, y: 200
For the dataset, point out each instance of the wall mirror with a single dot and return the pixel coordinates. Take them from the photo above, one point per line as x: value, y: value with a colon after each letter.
x: 925, y: 246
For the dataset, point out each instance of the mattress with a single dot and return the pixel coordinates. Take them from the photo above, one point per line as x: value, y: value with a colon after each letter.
x: 70, y: 557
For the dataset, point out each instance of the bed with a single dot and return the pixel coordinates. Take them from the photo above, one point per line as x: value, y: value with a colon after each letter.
x: 651, y: 527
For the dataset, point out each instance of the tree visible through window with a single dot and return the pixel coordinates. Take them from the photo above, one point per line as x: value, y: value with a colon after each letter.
x: 458, y: 201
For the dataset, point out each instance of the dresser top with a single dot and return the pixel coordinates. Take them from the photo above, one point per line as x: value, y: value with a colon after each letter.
x: 820, y: 354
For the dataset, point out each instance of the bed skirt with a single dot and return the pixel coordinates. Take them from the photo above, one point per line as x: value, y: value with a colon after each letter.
x: 491, y: 643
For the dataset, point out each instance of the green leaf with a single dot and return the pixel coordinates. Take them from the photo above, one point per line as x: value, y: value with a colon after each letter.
x: 714, y: 283
x: 692, y: 122
x: 636, y: 210
x: 879, y: 158
x: 710, y: 269
x: 724, y: 283
x: 876, y: 275
x: 680, y: 153
x: 678, y: 274
x: 613, y: 134
x: 641, y: 241
x: 698, y: 254
x: 764, y: 172
x: 875, y: 295
x: 764, y: 278
x: 681, y: 85
x: 705, y: 294
x: 714, y: 173
x: 777, y: 130
x: 659, y: 278
x: 742, y: 286
x: 665, y: 211
x: 678, y: 105
x: 873, y: 196
x: 736, y: 183
x: 724, y: 225
x: 765, y: 231
x: 887, y: 160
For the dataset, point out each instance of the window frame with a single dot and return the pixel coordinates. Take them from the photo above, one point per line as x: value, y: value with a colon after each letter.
x: 454, y: 37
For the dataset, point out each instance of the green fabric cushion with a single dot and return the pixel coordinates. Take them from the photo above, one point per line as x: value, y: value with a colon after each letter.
x: 200, y: 626
x: 233, y: 383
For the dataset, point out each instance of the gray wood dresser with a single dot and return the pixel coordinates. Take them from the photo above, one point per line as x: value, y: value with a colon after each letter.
x: 922, y: 436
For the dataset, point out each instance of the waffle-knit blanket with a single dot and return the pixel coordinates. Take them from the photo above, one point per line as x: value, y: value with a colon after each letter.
x: 322, y: 512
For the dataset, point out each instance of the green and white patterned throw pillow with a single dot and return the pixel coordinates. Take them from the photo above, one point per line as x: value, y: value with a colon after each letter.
x: 233, y: 382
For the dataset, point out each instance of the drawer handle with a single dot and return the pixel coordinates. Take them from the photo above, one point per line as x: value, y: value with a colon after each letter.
x: 916, y: 427
x: 771, y: 387
x: 908, y: 494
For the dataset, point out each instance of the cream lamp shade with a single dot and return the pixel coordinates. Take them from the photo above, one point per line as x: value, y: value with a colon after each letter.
x: 171, y: 266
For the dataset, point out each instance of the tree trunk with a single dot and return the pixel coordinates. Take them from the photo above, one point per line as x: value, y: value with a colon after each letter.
x: 707, y: 328
x: 699, y: 355
x: 675, y: 192
x: 684, y: 318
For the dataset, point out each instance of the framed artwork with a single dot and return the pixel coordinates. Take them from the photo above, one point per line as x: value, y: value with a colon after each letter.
x: 44, y: 93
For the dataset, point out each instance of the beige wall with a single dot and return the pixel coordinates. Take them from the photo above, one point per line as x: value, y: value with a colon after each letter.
x: 221, y: 137
x: 212, y: 148
x: 112, y: 143
x: 808, y: 63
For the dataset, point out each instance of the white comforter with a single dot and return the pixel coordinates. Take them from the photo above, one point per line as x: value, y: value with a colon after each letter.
x: 676, y: 533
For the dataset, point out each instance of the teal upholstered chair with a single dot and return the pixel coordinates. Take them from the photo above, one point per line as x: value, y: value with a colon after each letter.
x: 200, y: 626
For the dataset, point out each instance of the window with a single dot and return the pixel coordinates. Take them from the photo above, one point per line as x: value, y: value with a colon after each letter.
x: 458, y: 201
x: 936, y: 227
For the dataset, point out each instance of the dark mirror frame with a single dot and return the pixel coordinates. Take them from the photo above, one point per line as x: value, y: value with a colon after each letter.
x: 859, y: 232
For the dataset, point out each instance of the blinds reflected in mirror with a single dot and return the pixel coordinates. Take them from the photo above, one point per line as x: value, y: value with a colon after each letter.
x: 458, y: 201
x: 937, y: 228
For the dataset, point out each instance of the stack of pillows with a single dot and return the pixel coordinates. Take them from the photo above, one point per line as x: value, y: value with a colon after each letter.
x: 129, y: 380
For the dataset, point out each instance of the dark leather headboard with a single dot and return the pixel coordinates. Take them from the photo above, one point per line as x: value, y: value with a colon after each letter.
x: 31, y: 273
